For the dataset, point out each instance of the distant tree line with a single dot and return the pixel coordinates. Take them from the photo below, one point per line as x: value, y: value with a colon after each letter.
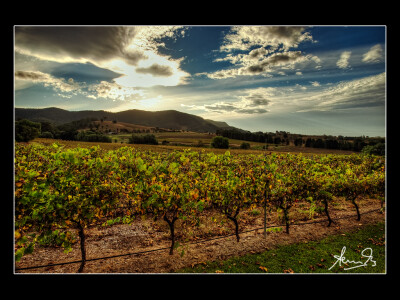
x: 148, y: 139
x: 261, y: 137
x: 90, y: 136
x: 26, y: 130
x: 356, y: 144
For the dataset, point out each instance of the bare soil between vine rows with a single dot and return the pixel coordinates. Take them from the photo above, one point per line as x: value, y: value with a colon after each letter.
x: 147, y: 234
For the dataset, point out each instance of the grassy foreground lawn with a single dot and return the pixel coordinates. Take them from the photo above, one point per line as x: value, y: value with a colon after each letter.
x: 312, y: 257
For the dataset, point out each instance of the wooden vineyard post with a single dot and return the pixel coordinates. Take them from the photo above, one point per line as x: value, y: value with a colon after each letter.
x: 265, y: 218
x: 265, y: 209
x: 83, y: 248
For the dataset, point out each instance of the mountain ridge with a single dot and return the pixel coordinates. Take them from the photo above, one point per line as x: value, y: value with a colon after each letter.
x: 169, y: 119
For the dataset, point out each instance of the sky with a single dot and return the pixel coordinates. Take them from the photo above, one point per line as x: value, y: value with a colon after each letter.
x: 300, y: 79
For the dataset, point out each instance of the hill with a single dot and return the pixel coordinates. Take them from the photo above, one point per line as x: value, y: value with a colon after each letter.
x: 169, y: 119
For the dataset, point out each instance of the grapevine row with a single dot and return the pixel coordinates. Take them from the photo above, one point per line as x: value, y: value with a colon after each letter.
x: 60, y: 190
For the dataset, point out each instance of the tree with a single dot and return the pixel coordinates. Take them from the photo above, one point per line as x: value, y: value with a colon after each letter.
x: 298, y: 141
x: 26, y: 130
x: 90, y: 136
x: 47, y: 126
x: 148, y: 139
x: 220, y: 142
x: 67, y: 135
x: 245, y: 145
x: 309, y: 142
x: 46, y: 135
x: 378, y: 149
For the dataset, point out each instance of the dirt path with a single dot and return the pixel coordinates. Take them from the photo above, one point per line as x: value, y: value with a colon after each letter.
x: 146, y: 235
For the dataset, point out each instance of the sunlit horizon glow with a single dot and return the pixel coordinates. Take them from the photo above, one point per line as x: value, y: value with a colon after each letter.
x: 302, y: 79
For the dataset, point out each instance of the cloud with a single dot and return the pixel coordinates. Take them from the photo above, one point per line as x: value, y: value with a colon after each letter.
x: 114, y: 91
x: 77, y: 44
x: 254, y: 101
x: 131, y: 51
x: 257, y: 97
x: 359, y: 93
x: 68, y: 88
x: 245, y: 37
x: 223, y: 74
x: 95, y: 44
x: 149, y: 37
x: 156, y: 70
x: 276, y: 59
x: 343, y: 61
x: 33, y: 76
x: 220, y: 107
x: 264, y: 65
x: 375, y: 54
x: 233, y: 108
x: 257, y: 53
x: 262, y: 50
x: 58, y: 84
x: 252, y: 111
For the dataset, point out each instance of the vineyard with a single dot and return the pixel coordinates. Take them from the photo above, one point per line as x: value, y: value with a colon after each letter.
x: 60, y: 193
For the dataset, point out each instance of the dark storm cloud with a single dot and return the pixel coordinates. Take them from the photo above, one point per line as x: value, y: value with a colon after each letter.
x: 33, y: 76
x: 220, y: 107
x: 257, y: 68
x: 252, y: 111
x: 258, y: 99
x: 156, y: 70
x: 95, y: 44
x: 256, y: 53
x: 224, y: 108
x: 285, y: 32
x: 284, y: 57
x: 274, y: 60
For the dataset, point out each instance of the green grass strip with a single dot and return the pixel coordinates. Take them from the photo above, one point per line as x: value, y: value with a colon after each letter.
x: 364, y: 246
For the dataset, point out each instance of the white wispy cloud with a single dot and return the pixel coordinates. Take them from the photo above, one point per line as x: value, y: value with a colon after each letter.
x: 343, y: 61
x: 68, y: 88
x: 358, y: 93
x: 114, y: 91
x: 252, y: 101
x: 58, y: 84
x: 366, y: 92
x: 375, y: 54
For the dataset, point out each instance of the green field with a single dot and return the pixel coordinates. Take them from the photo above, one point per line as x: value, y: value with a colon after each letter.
x: 183, y: 138
x: 311, y: 257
